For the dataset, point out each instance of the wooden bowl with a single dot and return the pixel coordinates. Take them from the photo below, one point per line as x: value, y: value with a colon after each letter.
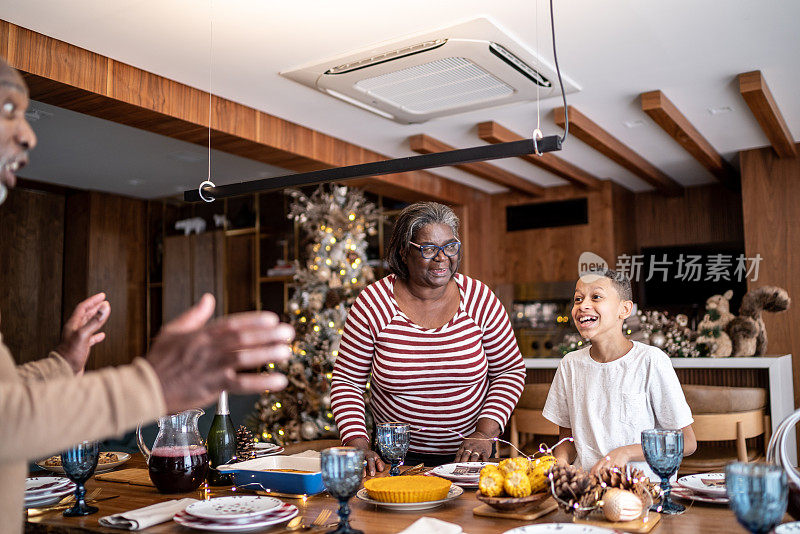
x: 513, y: 504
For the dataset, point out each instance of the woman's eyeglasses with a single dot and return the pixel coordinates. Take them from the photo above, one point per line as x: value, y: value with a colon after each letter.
x: 430, y: 251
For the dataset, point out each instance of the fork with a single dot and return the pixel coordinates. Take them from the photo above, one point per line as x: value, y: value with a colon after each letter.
x: 413, y: 470
x: 319, y: 522
x: 322, y: 518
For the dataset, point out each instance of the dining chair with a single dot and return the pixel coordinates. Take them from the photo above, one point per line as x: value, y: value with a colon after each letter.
x: 528, y: 427
x: 724, y: 419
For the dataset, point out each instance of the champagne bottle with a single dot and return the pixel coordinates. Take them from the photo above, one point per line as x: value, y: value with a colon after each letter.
x: 221, y: 442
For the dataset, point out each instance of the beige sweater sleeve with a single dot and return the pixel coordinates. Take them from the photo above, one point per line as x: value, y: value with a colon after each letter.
x: 54, y: 366
x: 43, y: 417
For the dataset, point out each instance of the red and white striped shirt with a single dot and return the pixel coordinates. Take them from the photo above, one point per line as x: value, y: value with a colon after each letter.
x: 438, y: 380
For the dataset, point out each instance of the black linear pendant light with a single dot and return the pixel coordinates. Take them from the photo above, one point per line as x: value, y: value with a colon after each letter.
x: 536, y: 145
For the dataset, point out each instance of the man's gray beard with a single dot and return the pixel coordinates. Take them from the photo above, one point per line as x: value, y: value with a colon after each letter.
x: 3, y: 192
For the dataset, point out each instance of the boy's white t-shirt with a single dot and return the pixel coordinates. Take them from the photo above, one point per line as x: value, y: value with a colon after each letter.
x: 607, y: 405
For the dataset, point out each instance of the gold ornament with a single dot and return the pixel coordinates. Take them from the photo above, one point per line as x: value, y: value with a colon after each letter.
x: 621, y: 505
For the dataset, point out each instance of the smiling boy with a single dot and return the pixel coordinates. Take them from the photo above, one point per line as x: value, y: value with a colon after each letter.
x: 605, y: 394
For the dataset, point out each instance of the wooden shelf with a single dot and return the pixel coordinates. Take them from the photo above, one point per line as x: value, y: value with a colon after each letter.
x: 284, y: 278
x: 240, y: 231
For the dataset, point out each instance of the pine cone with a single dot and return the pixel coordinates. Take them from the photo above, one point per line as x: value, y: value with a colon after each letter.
x: 245, y: 446
x: 633, y: 480
x: 573, y: 486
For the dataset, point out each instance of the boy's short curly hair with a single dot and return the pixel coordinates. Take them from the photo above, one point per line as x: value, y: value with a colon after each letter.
x: 620, y: 282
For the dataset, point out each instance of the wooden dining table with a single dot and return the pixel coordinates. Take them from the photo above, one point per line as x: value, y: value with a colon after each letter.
x: 698, y: 518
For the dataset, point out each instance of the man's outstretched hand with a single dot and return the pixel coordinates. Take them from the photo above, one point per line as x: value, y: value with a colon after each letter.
x: 195, y: 360
x: 80, y: 332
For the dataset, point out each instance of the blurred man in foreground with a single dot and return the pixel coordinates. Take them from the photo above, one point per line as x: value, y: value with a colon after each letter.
x: 50, y: 404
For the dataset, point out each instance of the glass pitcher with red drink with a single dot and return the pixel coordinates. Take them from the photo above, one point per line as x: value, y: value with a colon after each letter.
x: 178, y: 462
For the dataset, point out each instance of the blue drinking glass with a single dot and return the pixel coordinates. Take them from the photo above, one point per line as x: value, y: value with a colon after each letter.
x: 663, y: 450
x: 392, y: 439
x: 79, y: 463
x: 342, y: 469
x: 757, y: 493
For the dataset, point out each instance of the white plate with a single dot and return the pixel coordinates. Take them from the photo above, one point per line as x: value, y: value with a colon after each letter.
x: 238, y: 507
x: 788, y: 528
x: 559, y: 528
x: 462, y: 471
x: 261, y: 446
x: 266, y: 449
x: 283, y: 514
x: 454, y: 493
x: 695, y: 483
x: 44, y: 485
x: 50, y: 498
x: 686, y: 493
x: 122, y: 457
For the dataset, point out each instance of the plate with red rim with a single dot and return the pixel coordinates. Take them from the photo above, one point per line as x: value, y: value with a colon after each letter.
x: 689, y: 495
x: 281, y: 515
x: 234, y: 507
x: 460, y: 472
x: 44, y: 485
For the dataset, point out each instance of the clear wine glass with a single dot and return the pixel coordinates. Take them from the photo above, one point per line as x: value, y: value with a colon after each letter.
x: 392, y: 439
x: 663, y: 450
x: 758, y: 494
x: 79, y: 463
x: 342, y: 469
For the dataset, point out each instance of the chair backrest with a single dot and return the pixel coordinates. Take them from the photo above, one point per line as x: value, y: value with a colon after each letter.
x: 729, y: 426
x: 525, y: 424
x: 724, y: 399
x: 532, y: 422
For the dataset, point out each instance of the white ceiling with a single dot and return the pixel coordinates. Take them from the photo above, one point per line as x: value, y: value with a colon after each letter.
x: 614, y: 50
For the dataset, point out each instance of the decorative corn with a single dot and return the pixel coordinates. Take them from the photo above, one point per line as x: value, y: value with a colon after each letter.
x: 491, y: 482
x: 517, y: 484
x: 509, y: 465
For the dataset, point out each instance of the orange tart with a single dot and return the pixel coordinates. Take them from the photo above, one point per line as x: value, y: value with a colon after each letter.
x: 414, y: 488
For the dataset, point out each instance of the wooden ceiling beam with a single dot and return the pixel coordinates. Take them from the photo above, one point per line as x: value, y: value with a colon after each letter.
x: 424, y: 144
x: 491, y: 132
x: 753, y: 88
x: 671, y: 120
x: 73, y: 78
x: 596, y: 137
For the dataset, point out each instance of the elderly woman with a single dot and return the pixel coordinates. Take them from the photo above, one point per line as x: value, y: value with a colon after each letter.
x: 439, y: 347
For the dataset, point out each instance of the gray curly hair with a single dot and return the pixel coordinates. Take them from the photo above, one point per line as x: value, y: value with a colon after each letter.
x: 408, y: 223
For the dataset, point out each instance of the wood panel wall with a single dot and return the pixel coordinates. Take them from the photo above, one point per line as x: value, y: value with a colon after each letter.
x: 105, y: 251
x: 703, y: 214
x: 771, y: 216
x: 551, y: 254
x: 31, y: 253
x: 193, y: 265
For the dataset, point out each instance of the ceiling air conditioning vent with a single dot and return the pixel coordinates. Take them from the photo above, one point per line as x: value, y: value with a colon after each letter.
x: 461, y: 68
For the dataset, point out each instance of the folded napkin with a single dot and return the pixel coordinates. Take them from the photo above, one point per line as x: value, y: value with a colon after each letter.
x: 431, y: 525
x: 147, y: 516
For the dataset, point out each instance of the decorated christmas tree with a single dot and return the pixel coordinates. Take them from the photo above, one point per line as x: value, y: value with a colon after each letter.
x: 336, y: 221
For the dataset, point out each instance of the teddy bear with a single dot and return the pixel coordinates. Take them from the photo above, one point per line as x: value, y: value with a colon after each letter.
x: 711, y: 329
x: 747, y: 331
